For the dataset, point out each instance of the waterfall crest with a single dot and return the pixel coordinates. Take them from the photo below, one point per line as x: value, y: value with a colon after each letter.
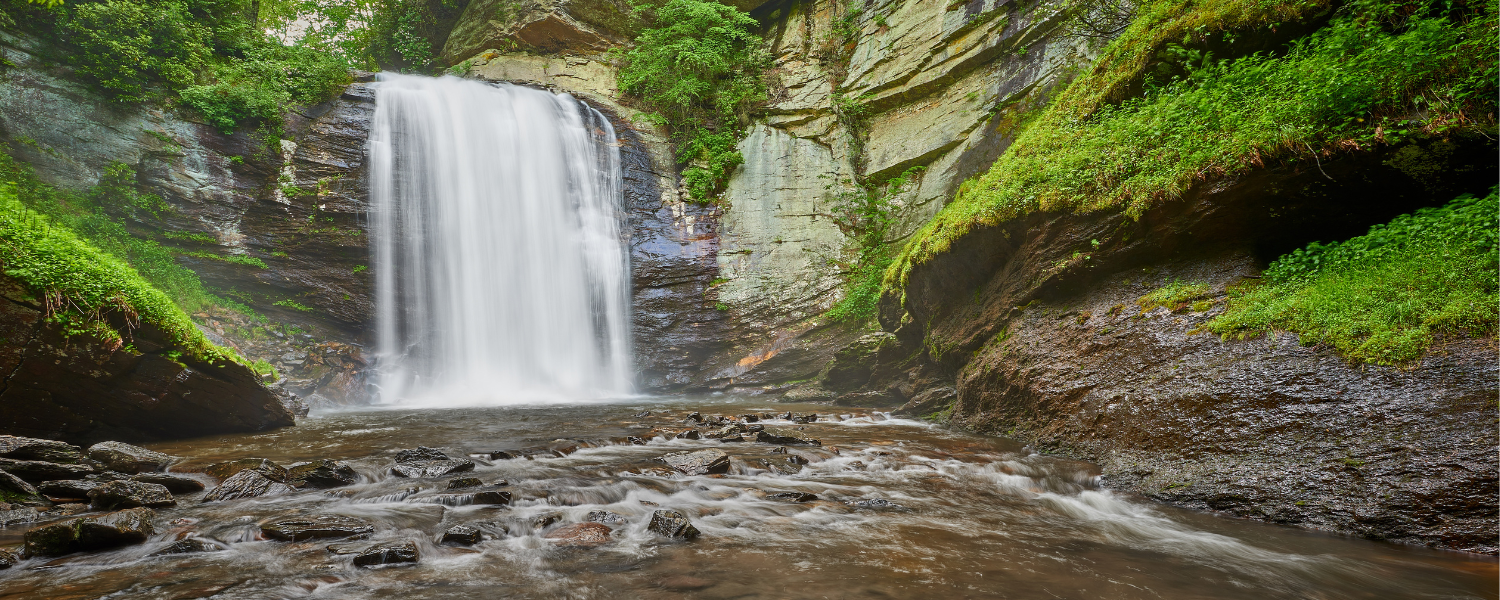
x: 501, y: 271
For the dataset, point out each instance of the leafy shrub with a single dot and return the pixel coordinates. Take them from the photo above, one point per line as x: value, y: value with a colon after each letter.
x: 125, y: 45
x: 700, y: 71
x: 1383, y: 297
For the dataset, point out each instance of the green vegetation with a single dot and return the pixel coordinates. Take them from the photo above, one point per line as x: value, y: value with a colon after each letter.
x: 263, y: 368
x: 699, y: 69
x: 1377, y: 73
x: 1386, y: 296
x: 865, y: 217
x: 292, y: 304
x: 81, y: 286
x: 1174, y: 295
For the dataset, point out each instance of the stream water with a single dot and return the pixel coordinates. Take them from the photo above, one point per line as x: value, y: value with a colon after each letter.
x: 962, y: 516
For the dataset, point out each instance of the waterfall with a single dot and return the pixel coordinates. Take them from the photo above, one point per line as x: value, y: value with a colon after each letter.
x: 501, y: 273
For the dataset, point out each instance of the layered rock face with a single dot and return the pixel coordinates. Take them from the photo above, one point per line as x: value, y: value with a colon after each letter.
x: 81, y: 390
x: 1033, y: 330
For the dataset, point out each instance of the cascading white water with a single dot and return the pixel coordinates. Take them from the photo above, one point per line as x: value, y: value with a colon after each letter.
x: 501, y: 273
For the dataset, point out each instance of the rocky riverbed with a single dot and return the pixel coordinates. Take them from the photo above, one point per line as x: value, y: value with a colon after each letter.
x: 712, y: 497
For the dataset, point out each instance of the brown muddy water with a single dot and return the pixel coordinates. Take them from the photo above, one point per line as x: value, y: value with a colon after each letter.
x: 968, y: 517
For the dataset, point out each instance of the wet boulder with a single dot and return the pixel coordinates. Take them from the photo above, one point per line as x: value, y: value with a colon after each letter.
x: 230, y: 468
x: 876, y: 504
x: 15, y: 489
x: 390, y: 553
x: 25, y: 448
x: 248, y: 483
x: 672, y: 524
x: 130, y: 494
x: 580, y: 535
x: 693, y: 417
x: 605, y: 517
x: 461, y: 535
x: 750, y: 418
x: 804, y: 419
x: 689, y: 434
x: 792, y: 497
x: 785, y: 437
x: 321, y: 474
x: 698, y: 462
x: 38, y: 471
x: 428, y: 462
x: 121, y: 528
x: 190, y: 545
x: 7, y: 560
x: 177, y: 484
x: 635, y: 440
x: 487, y: 497
x: 464, y: 483
x: 125, y: 458
x: 297, y: 529
x: 17, y: 516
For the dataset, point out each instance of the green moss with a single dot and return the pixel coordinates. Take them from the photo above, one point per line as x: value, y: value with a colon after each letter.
x: 1384, y: 297
x: 1354, y: 83
x: 292, y: 304
x: 80, y: 285
x: 1174, y: 295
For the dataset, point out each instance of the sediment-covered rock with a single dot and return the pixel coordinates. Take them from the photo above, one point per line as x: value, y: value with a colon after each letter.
x: 125, y: 458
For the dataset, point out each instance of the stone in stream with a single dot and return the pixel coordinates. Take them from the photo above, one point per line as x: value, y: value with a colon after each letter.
x: 694, y: 417
x: 130, y: 494
x: 125, y: 458
x: 428, y: 462
x: 14, y: 489
x: 37, y: 471
x: 322, y: 526
x: 462, y: 535
x: 732, y: 438
x: 389, y: 553
x: 248, y: 483
x: 796, y: 459
x: 698, y: 462
x: 793, y: 496
x: 321, y: 474
x: 785, y: 416
x: 18, y: 516
x: 177, y: 484
x: 108, y: 530
x: 689, y: 434
x: 605, y: 517
x: 25, y: 448
x: 672, y: 524
x: 750, y: 418
x: 779, y: 450
x: 580, y: 535
x: 635, y: 441
x: 785, y: 437
x: 876, y: 504
x: 464, y: 482
x: 642, y: 415
x: 191, y: 545
x: 7, y: 560
x: 803, y: 419
x: 501, y: 455
x: 227, y: 469
x: 490, y: 497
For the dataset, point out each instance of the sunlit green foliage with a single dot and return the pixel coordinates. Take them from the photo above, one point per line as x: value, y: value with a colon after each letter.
x: 1385, y: 296
x: 699, y: 68
x: 80, y: 286
x: 1379, y: 70
x: 1174, y: 295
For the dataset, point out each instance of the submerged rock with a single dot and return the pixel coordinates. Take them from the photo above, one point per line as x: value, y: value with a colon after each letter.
x: 177, y: 484
x: 125, y: 458
x: 109, y: 530
x: 227, y: 469
x: 698, y: 462
x: 130, y: 494
x: 876, y: 504
x: 191, y: 545
x: 672, y: 524
x: 464, y: 482
x: 38, y: 471
x: 493, y: 497
x: 388, y: 554
x: 318, y: 527
x: 321, y: 473
x: 784, y: 437
x: 25, y: 448
x: 462, y: 535
x: 248, y: 483
x: 580, y: 535
x: 793, y: 496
